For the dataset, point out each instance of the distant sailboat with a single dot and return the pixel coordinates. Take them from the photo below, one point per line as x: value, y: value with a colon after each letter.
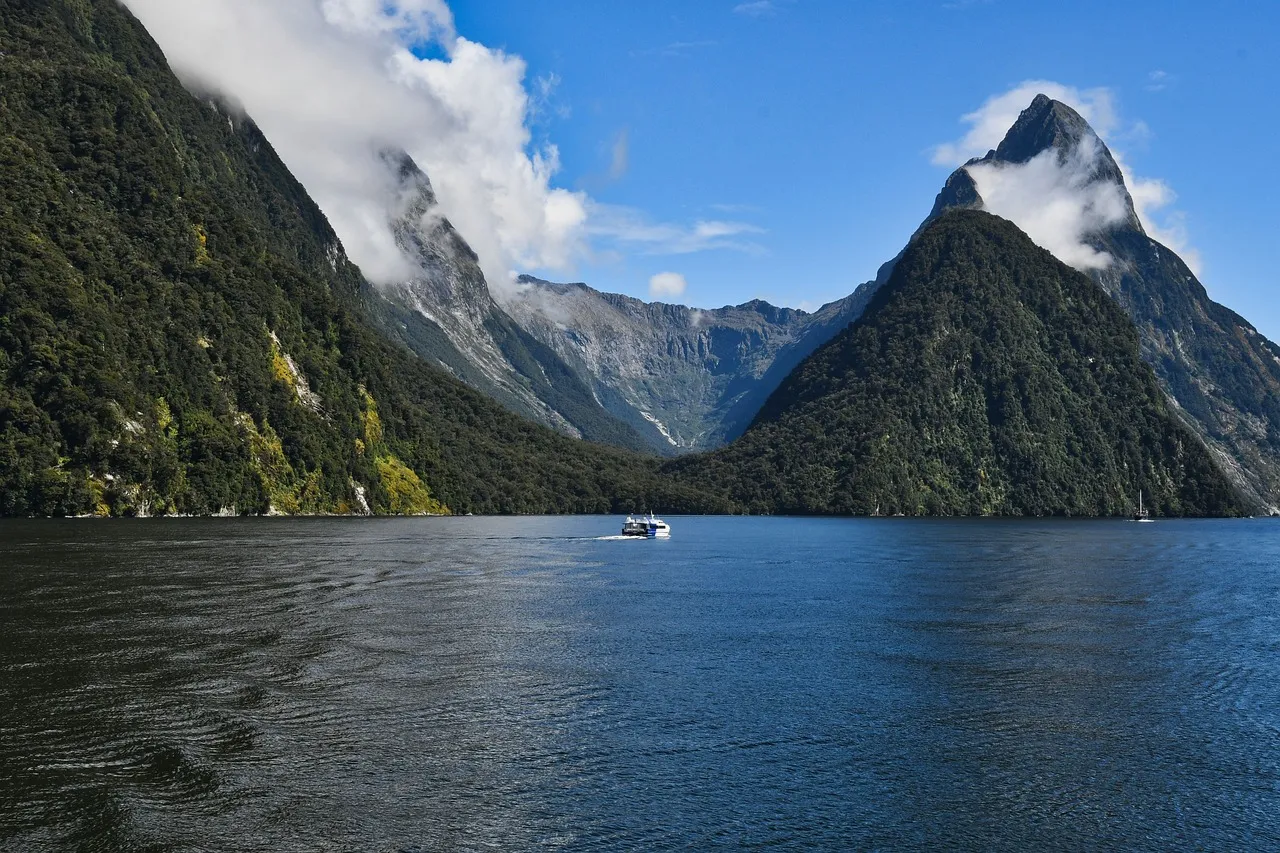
x: 1142, y: 514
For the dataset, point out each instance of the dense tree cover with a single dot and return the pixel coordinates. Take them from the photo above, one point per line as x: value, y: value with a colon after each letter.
x: 1224, y: 375
x: 985, y: 377
x: 180, y: 330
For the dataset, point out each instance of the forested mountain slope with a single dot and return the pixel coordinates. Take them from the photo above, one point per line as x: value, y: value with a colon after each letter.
x: 1223, y: 374
x: 985, y: 377
x: 180, y: 330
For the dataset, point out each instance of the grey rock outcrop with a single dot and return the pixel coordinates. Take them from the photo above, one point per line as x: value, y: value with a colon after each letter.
x: 686, y: 378
x: 446, y: 314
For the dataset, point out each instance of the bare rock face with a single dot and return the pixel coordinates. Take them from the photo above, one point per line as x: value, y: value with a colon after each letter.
x: 651, y: 376
x: 446, y: 314
x: 1221, y: 373
x: 686, y: 378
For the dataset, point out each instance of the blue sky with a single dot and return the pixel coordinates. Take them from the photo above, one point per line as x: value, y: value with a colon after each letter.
x: 801, y: 133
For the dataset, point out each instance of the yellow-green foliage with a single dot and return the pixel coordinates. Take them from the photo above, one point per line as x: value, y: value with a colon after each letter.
x: 269, y: 462
x: 290, y: 493
x: 98, y: 497
x: 164, y: 419
x: 311, y: 494
x: 406, y: 492
x: 280, y: 366
x: 372, y: 423
x: 202, y: 245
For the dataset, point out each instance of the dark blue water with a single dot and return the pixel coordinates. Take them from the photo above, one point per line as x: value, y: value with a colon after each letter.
x: 516, y: 684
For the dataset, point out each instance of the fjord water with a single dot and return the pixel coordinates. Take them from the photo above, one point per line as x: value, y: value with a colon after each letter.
x: 516, y: 684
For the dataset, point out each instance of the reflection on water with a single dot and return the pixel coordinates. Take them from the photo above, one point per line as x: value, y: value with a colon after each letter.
x: 444, y: 684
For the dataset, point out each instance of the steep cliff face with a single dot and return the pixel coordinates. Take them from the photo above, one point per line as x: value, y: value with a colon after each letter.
x: 446, y: 314
x: 1222, y: 374
x: 687, y: 378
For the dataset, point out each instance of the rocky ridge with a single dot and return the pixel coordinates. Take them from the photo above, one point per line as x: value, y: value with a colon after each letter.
x: 447, y: 315
x: 688, y: 379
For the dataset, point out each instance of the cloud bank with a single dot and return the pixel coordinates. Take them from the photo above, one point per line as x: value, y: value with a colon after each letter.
x: 333, y: 82
x: 1055, y: 200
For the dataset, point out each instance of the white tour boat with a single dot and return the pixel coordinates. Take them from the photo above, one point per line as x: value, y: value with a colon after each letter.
x: 648, y: 526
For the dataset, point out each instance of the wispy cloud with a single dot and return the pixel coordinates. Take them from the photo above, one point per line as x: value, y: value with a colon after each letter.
x: 761, y: 8
x: 632, y: 228
x: 543, y: 104
x: 734, y: 208
x: 1056, y: 198
x: 675, y: 48
x: 618, y: 152
x: 667, y: 284
x: 620, y: 156
x: 756, y: 8
x: 1158, y: 81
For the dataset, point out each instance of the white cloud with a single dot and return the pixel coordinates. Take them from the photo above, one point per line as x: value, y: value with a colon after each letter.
x: 333, y: 82
x: 1054, y: 201
x: 1052, y: 198
x: 667, y: 284
x: 631, y: 228
x: 990, y: 122
x: 1152, y: 198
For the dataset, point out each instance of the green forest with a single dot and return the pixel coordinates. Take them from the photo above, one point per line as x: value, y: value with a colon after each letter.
x: 985, y: 378
x: 180, y: 331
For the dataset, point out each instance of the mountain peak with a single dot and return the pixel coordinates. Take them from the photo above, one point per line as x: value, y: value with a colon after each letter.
x: 1046, y: 125
x: 1043, y: 125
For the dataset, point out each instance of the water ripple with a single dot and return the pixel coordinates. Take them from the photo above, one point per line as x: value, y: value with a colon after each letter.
x: 519, y: 684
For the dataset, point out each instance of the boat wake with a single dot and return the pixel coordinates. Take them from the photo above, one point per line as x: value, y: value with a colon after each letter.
x: 618, y: 538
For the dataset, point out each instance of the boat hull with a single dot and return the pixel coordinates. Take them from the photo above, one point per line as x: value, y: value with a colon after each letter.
x: 646, y: 528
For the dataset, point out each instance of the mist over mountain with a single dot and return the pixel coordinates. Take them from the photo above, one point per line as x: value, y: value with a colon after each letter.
x: 984, y: 378
x: 1057, y: 180
x: 446, y: 314
x: 182, y: 331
